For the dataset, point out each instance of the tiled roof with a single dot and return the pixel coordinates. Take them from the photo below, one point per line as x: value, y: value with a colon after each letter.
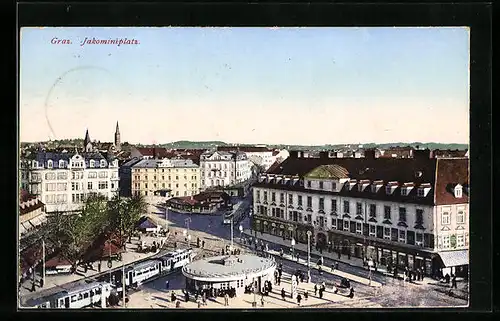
x: 396, y: 172
x: 155, y: 152
x: 451, y: 172
x: 30, y: 206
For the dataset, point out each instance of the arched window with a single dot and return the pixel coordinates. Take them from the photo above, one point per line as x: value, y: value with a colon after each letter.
x: 103, y: 163
x: 61, y: 163
x: 49, y: 163
x: 92, y: 163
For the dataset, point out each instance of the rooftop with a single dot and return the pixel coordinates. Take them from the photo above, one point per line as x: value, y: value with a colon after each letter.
x: 227, y: 266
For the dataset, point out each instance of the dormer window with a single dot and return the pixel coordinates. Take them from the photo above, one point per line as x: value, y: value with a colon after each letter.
x: 458, y: 191
x: 49, y: 163
x: 309, y: 184
x: 404, y: 191
x: 320, y: 185
x: 92, y: 163
x: 35, y: 164
x: 351, y: 184
x: 389, y: 189
x: 103, y: 163
x: 61, y: 164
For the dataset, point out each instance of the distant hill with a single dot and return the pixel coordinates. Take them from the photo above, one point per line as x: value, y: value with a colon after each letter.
x: 186, y: 144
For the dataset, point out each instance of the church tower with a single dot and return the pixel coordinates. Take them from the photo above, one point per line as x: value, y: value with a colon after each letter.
x: 87, y: 144
x: 117, y: 138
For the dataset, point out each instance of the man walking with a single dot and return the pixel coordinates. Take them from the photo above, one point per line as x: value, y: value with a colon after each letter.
x: 283, y: 294
x: 226, y: 299
x: 454, y: 282
x: 299, y: 298
x: 166, y: 284
x: 315, y: 289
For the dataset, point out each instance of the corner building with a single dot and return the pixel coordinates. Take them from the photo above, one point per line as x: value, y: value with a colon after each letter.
x: 406, y: 212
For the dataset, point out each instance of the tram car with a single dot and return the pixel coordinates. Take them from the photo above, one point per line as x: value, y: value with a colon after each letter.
x: 151, y: 269
x: 80, y: 296
x: 344, y: 287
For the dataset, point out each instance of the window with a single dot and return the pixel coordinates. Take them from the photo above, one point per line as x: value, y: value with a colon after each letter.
x: 334, y: 223
x: 460, y: 216
x: 290, y: 199
x: 62, y: 175
x: 445, y: 217
x: 265, y: 195
x: 460, y: 240
x: 308, y: 183
x: 419, y: 219
x: 373, y: 210
x: 334, y: 186
x: 309, y: 201
x: 404, y: 191
x: 92, y: 163
x: 346, y: 225
x: 49, y: 163
x: 402, y: 236
x: 420, y: 192
x: 322, y: 203
x: 346, y: 207
x: 282, y: 198
x: 334, y: 206
x: 446, y: 241
x: 387, y: 233
x: 309, y: 218
x: 458, y: 191
x: 320, y: 185
x: 359, y: 208
x: 359, y: 228
x: 257, y: 195
x: 419, y: 239
x: 92, y: 175
x: 299, y: 200
x: 387, y: 212
x: 89, y: 185
x: 103, y: 174
x: 371, y: 230
x: 388, y: 189
x: 75, y: 186
x: 402, y: 214
x: 104, y: 185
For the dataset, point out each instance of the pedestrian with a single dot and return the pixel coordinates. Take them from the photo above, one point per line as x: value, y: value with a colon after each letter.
x: 172, y: 296
x: 338, y: 253
x: 349, y: 255
x: 333, y: 267
x: 262, y: 300
x: 186, y: 296
x: 166, y: 284
x: 199, y: 302
x: 321, y: 293
x: 226, y: 299
x: 283, y: 294
x: 299, y: 298
x: 203, y: 244
x: 315, y: 289
x: 447, y: 278
x: 99, y: 267
x: 279, y: 280
x: 320, y: 270
x: 177, y: 304
x: 41, y: 283
x: 33, y: 286
x: 306, y: 295
x: 454, y: 282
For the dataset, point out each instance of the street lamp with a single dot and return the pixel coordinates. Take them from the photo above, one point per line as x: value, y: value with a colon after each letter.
x: 293, y: 246
x: 241, y: 232
x: 309, y: 256
x: 232, y: 218
x: 189, y: 240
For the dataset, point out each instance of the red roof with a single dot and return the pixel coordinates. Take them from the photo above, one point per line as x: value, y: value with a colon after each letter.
x: 57, y: 261
x: 156, y: 152
x: 451, y: 172
x: 247, y: 149
x: 30, y: 208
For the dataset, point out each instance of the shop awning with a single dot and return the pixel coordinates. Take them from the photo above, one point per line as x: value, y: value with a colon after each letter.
x: 455, y: 258
x: 35, y: 221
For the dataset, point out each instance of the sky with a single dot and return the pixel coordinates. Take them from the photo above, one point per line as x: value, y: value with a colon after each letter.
x: 246, y: 85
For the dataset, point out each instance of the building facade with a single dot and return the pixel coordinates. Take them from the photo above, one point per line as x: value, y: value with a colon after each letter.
x: 62, y: 180
x: 380, y: 208
x: 223, y: 169
x: 180, y: 176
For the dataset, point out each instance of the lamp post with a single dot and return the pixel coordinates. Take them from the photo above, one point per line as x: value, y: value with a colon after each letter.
x: 309, y: 256
x: 232, y: 217
x: 43, y: 262
x: 293, y: 246
x: 241, y: 232
x: 187, y: 221
x: 189, y: 240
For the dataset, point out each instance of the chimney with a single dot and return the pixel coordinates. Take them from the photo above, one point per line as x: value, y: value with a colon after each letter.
x: 323, y: 155
x: 370, y: 153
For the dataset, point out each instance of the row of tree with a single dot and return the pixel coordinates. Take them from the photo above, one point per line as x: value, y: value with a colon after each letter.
x: 73, y: 235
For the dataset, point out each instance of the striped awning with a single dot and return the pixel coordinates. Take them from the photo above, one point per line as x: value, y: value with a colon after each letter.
x: 35, y: 221
x: 455, y: 258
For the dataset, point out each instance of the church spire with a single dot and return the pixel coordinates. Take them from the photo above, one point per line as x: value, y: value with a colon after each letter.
x: 87, y: 145
x: 117, y: 138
